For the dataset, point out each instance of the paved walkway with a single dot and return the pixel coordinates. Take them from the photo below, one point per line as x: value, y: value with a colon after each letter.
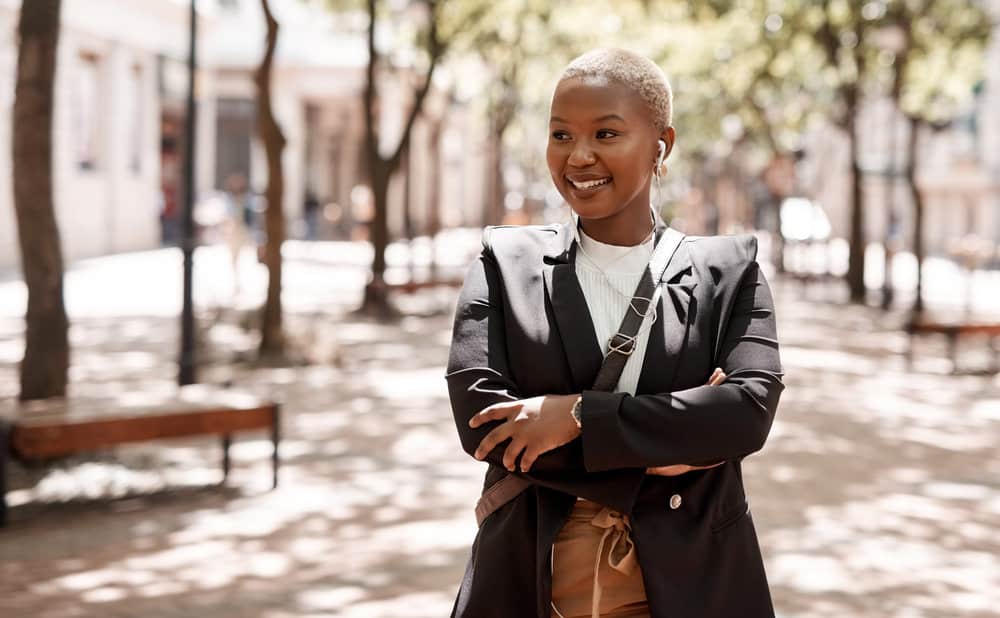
x: 877, y: 495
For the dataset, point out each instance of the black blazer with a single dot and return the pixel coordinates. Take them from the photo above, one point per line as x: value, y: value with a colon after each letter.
x: 522, y: 329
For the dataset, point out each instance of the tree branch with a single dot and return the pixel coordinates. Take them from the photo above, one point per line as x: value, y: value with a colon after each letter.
x: 435, y: 49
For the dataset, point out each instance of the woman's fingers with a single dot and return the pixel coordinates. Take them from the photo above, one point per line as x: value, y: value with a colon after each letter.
x: 708, y: 467
x: 492, y: 439
x: 510, y: 455
x: 529, y: 457
x: 496, y: 412
x: 678, y: 469
x: 674, y: 470
x: 718, y: 377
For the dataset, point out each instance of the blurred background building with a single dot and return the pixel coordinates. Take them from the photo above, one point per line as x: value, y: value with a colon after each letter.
x: 958, y: 167
x: 120, y: 92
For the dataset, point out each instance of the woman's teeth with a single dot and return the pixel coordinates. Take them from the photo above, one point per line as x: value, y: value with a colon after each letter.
x: 590, y: 184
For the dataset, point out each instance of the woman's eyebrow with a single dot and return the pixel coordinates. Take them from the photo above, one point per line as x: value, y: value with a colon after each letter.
x: 599, y: 119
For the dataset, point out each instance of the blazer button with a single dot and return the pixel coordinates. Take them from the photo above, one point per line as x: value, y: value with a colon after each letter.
x: 675, y: 501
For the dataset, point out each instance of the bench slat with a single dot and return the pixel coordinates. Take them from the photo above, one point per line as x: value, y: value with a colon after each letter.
x: 40, y: 440
x: 956, y: 329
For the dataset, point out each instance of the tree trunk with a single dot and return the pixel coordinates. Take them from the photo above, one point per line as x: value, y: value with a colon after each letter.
x: 497, y: 206
x: 409, y: 229
x: 46, y: 351
x: 376, y: 298
x: 918, y: 213
x: 856, y: 257
x: 888, y: 292
x: 501, y: 119
x: 892, y: 233
x: 434, y: 214
x: 272, y: 340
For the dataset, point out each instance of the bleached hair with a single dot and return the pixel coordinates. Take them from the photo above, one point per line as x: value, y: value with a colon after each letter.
x: 634, y: 71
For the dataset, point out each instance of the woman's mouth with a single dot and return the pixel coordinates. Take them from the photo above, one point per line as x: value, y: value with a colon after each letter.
x: 588, y: 185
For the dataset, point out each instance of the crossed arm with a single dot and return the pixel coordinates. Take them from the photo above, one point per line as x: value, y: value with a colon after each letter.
x: 623, y: 437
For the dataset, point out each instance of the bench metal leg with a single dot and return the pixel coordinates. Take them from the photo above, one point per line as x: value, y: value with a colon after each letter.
x: 953, y: 351
x: 226, y: 441
x: 275, y: 438
x: 4, y: 449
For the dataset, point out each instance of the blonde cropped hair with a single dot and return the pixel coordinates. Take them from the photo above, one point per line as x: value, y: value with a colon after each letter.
x: 632, y: 70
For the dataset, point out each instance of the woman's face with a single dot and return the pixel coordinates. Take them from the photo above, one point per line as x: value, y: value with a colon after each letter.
x: 602, y: 146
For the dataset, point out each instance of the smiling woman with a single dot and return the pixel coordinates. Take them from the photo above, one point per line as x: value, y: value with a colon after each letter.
x: 611, y: 112
x: 613, y: 493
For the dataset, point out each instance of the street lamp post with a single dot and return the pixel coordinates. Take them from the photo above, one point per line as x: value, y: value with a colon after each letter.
x: 186, y: 372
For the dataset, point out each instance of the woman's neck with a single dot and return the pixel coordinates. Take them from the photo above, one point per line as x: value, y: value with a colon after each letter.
x: 626, y: 228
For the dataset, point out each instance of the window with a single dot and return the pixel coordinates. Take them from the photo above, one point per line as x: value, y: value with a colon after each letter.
x: 86, y: 107
x: 134, y: 114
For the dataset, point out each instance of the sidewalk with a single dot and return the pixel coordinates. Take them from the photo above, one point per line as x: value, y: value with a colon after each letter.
x: 875, y: 497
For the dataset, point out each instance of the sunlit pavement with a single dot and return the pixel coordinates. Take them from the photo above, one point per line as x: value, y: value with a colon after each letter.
x: 876, y: 495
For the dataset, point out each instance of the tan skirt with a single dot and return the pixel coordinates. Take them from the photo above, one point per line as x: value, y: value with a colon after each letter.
x: 595, y: 571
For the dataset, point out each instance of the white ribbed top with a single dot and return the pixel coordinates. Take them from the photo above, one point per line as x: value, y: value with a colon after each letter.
x: 622, y: 266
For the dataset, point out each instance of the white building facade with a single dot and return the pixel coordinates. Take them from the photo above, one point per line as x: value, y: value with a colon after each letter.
x: 958, y: 169
x: 106, y: 128
x: 121, y: 84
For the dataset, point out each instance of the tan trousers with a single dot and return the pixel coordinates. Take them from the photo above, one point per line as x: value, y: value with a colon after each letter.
x: 595, y: 571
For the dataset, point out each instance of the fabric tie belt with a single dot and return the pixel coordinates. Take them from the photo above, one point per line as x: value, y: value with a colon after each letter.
x: 615, y: 543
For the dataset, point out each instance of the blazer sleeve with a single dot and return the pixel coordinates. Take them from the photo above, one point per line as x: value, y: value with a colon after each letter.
x: 705, y: 423
x: 478, y: 376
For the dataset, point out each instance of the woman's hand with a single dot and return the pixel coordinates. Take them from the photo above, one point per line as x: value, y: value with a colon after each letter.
x: 718, y: 377
x: 535, y: 426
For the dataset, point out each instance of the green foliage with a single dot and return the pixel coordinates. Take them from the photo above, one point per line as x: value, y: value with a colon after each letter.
x: 751, y: 71
x: 943, y: 59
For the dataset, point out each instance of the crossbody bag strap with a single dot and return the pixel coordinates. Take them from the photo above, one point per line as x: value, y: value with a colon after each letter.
x: 620, y: 347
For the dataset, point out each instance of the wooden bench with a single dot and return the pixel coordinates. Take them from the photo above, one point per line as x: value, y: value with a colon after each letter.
x: 954, y: 331
x: 47, y: 429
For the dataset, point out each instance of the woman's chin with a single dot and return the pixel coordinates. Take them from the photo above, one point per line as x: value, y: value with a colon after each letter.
x: 593, y: 206
x: 591, y: 209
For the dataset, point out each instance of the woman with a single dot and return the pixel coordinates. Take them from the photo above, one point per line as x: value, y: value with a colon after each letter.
x: 622, y: 517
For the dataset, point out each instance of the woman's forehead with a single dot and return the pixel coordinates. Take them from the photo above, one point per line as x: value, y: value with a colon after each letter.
x: 592, y: 98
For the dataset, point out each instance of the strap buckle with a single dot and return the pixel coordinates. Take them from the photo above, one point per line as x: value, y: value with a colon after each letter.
x: 625, y: 347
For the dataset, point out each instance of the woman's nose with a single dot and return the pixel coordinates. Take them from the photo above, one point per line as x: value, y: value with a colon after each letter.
x: 582, y: 155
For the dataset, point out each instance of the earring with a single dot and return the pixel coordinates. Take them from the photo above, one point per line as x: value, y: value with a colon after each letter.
x: 659, y: 192
x: 660, y: 168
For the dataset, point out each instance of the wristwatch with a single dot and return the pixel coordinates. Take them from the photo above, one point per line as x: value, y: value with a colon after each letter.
x: 575, y: 412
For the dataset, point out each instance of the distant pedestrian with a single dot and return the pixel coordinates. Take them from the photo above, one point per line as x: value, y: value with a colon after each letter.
x: 238, y: 225
x: 310, y: 212
x: 621, y: 498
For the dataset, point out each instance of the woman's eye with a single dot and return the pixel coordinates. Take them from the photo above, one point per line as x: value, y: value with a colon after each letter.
x: 560, y: 135
x: 605, y: 133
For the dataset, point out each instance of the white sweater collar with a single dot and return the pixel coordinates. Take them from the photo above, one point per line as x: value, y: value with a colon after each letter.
x: 601, y: 254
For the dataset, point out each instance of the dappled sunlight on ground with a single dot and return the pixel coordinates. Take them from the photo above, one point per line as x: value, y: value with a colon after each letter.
x: 876, y: 495
x: 373, y: 516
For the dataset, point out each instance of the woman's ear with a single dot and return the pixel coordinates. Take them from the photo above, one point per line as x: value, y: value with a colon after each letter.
x: 668, y: 137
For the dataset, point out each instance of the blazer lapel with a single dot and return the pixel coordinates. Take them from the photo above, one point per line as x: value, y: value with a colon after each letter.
x: 576, y: 328
x: 668, y: 337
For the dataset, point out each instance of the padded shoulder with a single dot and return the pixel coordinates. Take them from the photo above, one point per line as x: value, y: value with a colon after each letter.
x: 724, y: 252
x: 517, y: 240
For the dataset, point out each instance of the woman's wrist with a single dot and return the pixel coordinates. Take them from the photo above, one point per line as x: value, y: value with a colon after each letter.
x: 575, y: 411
